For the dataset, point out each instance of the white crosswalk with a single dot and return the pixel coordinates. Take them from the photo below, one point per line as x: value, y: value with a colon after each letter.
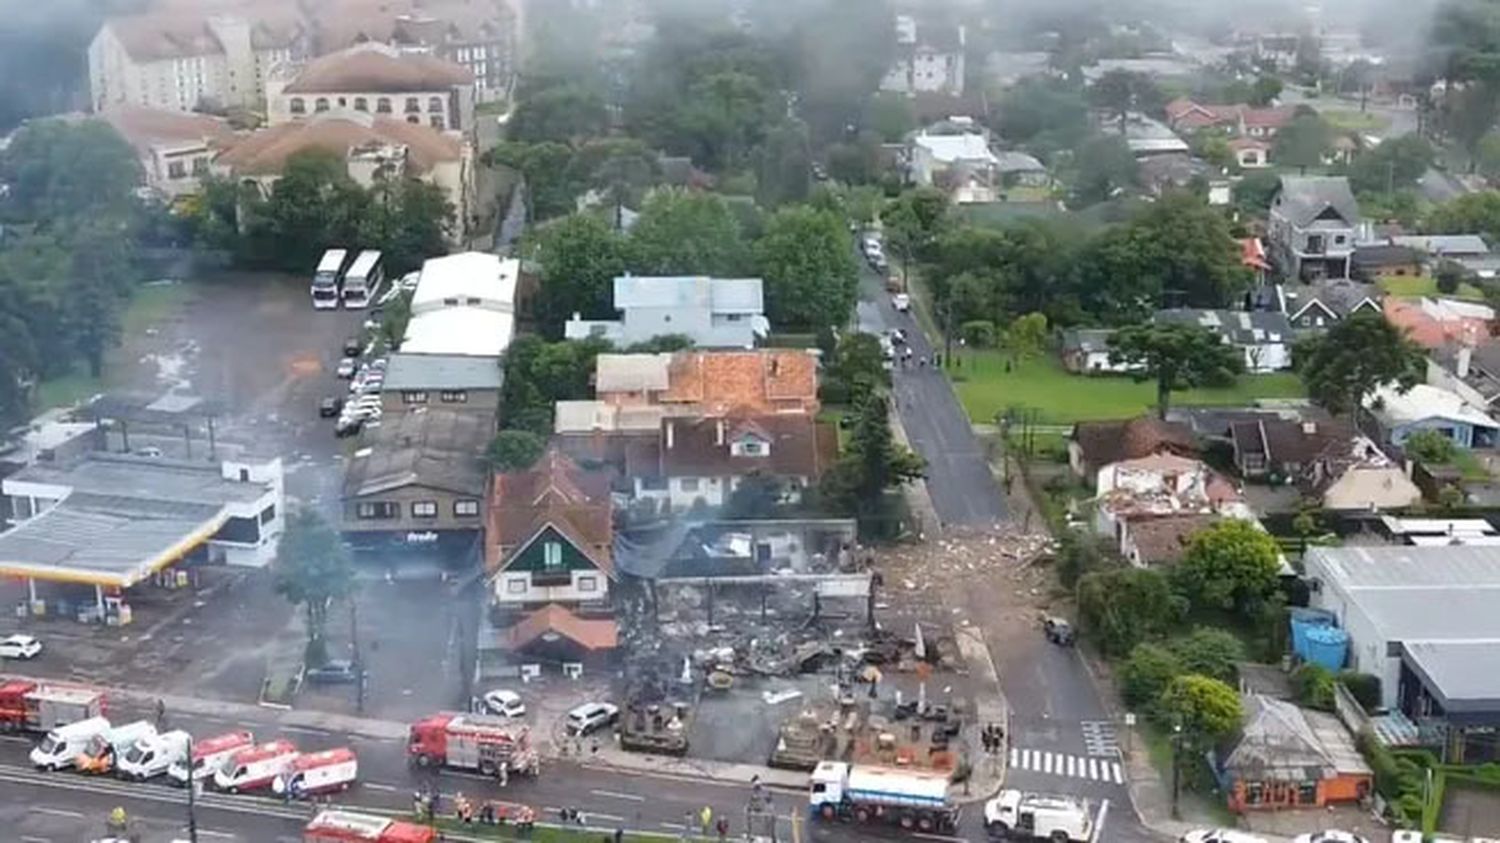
x: 1071, y: 766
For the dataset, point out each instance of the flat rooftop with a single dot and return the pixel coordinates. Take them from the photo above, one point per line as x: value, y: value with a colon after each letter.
x: 129, y: 476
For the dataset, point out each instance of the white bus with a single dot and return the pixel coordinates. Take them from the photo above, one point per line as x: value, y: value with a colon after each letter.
x: 363, y: 279
x: 325, y: 283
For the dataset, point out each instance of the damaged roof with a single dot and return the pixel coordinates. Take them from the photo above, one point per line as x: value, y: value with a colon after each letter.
x: 431, y: 447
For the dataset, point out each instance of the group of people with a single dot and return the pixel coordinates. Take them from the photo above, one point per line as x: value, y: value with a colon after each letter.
x: 425, y: 804
x: 992, y: 737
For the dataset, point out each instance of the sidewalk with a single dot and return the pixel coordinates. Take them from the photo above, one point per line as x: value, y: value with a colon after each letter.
x: 918, y: 498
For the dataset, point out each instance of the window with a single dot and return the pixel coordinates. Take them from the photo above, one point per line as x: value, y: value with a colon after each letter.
x: 414, y: 119
x: 383, y: 105
x: 588, y: 582
x: 200, y: 166
x: 298, y: 106
x: 413, y: 397
x: 268, y: 514
x: 688, y: 484
x: 434, y: 104
x: 465, y: 507
x: 176, y: 170
x: 552, y: 555
x: 515, y: 585
x: 361, y: 104
x: 412, y: 106
x: 321, y: 104
x: 454, y: 396
x: 752, y: 447
x: 244, y: 475
x: 1339, y: 239
x: 424, y: 509
x: 436, y: 122
x: 451, y: 301
x: 472, y: 301
x: 375, y: 509
x: 343, y: 103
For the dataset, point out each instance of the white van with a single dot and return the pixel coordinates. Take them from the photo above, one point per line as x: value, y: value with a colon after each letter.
x: 63, y: 744
x: 318, y: 772
x: 256, y: 767
x: 104, y: 751
x: 152, y: 756
x: 210, y: 756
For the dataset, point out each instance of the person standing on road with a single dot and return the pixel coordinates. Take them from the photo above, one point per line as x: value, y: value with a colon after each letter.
x: 722, y: 827
x: 707, y: 818
x: 161, y: 714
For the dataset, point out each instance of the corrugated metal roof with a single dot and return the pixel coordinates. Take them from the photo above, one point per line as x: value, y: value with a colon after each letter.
x: 442, y: 371
x: 113, y: 538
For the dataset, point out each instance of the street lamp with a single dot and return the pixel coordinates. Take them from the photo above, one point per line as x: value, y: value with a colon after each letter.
x: 1176, y: 767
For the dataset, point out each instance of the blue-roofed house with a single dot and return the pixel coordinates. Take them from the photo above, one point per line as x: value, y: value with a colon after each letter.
x: 713, y: 312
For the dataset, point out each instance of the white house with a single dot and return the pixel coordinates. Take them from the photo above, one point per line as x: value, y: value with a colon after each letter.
x: 932, y: 155
x: 1427, y: 407
x: 1161, y: 484
x: 1263, y: 337
x: 712, y: 312
x: 929, y: 58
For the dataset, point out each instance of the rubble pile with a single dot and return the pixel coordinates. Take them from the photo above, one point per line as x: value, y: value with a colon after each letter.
x: 918, y: 567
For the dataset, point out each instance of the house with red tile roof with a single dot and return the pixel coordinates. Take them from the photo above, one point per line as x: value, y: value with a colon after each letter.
x: 374, y: 78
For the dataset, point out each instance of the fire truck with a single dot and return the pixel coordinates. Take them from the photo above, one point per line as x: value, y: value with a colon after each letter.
x: 36, y: 707
x: 494, y: 746
x: 345, y: 826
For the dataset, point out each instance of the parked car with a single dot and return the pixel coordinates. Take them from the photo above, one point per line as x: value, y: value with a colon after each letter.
x: 897, y: 336
x: 20, y: 647
x: 352, y: 346
x: 330, y: 406
x: 901, y: 302
x: 347, y: 426
x: 1058, y: 631
x: 336, y: 672
x: 346, y: 367
x: 150, y: 451
x: 591, y: 717
x: 1330, y: 836
x: 504, y: 703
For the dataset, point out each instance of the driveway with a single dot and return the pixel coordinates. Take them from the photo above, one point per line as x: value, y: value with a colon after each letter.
x: 959, y: 480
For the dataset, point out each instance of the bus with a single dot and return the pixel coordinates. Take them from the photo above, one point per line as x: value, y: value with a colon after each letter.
x: 325, y: 283
x: 363, y: 279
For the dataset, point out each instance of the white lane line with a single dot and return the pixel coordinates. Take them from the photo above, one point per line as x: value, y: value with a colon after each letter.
x: 379, y: 786
x: 1072, y: 765
x: 1119, y: 774
x: 29, y: 839
x: 1015, y: 757
x: 673, y: 826
x: 609, y: 818
x: 1099, y: 821
x: 58, y: 812
x: 610, y: 794
x: 208, y: 832
x: 14, y: 739
x: 1046, y: 766
x: 925, y: 836
x: 303, y: 730
x: 1093, y: 769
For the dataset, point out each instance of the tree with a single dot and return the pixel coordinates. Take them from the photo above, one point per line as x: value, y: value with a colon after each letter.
x: 1207, y: 710
x: 312, y: 570
x: 1123, y: 91
x: 1254, y: 192
x: 872, y: 462
x: 514, y: 450
x: 1176, y: 356
x: 1354, y: 357
x: 538, y: 374
x: 1487, y: 157
x: 913, y: 222
x: 313, y: 206
x: 757, y: 496
x: 1430, y: 446
x: 1469, y: 213
x: 580, y: 256
x: 1313, y: 685
x: 1450, y: 276
x: 69, y: 169
x: 891, y: 117
x: 550, y: 191
x: 1392, y: 165
x: 1043, y: 114
x: 1303, y: 142
x: 1469, y: 113
x: 564, y: 113
x: 784, y: 165
x: 1231, y: 565
x: 856, y: 367
x: 1265, y: 90
x: 1147, y: 673
x: 409, y: 220
x: 1027, y: 335
x: 1121, y: 608
x: 1106, y: 167
x: 808, y: 263
x: 1078, y: 553
x: 682, y: 233
x: 1210, y: 652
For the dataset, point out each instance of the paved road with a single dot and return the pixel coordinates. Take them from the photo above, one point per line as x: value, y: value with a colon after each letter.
x: 959, y: 481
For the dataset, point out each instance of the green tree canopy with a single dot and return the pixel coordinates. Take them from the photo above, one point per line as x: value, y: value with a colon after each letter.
x: 872, y: 462
x: 581, y: 255
x: 857, y: 366
x: 1231, y: 565
x: 1207, y: 709
x: 1210, y: 652
x: 1393, y: 165
x: 1354, y: 357
x: 682, y: 233
x: 1121, y: 608
x: 1176, y: 356
x: 1303, y: 142
x: 807, y: 261
x: 1147, y: 673
x: 63, y: 169
x: 1467, y: 214
x: 1430, y: 446
x: 514, y: 450
x: 312, y: 570
x: 1043, y: 114
x: 564, y: 113
x: 1106, y: 168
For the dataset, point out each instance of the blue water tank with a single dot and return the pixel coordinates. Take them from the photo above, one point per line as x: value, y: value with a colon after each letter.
x: 1327, y: 646
x: 1305, y: 621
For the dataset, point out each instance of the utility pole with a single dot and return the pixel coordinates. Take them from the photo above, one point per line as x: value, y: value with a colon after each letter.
x: 192, y: 789
x: 1176, y: 768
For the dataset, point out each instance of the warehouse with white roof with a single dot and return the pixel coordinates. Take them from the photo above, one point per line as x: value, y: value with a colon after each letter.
x: 464, y: 304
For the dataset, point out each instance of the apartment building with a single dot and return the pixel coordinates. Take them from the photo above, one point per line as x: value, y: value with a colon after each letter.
x: 374, y: 78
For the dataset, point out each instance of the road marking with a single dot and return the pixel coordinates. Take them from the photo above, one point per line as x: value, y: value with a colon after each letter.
x: 926, y: 836
x: 610, y: 794
x: 15, y: 739
x: 1093, y: 769
x: 1099, y: 821
x: 303, y: 730
x: 379, y: 786
x: 1071, y: 766
x: 1119, y: 774
x: 1015, y: 757
x: 673, y: 826
x: 58, y: 812
x: 36, y: 840
x: 211, y: 833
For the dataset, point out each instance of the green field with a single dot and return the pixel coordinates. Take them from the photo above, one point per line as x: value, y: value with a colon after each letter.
x: 1354, y: 120
x: 985, y: 389
x: 1415, y: 286
x: 150, y: 306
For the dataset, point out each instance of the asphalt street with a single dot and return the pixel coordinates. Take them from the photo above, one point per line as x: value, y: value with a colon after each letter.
x: 959, y: 481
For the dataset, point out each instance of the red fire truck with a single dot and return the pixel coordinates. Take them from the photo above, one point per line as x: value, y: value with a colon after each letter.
x: 472, y: 742
x: 41, y: 707
x: 345, y: 826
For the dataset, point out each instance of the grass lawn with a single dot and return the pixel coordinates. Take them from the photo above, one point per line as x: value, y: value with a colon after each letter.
x: 985, y: 389
x: 1416, y: 286
x: 1354, y: 120
x: 1470, y: 465
x: 150, y: 306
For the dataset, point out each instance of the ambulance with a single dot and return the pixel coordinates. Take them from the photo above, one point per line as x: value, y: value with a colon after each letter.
x: 256, y: 767
x: 210, y: 755
x: 318, y: 772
